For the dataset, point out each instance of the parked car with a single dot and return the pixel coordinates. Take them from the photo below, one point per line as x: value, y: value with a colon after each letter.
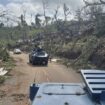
x: 17, y: 51
x: 38, y: 56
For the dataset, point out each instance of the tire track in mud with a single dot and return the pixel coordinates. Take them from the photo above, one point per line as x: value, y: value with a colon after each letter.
x: 24, y: 74
x: 42, y: 75
x: 47, y: 76
x: 37, y: 75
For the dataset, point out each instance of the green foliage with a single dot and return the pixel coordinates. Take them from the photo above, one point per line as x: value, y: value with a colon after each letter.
x: 9, y: 65
x: 2, y: 79
x: 4, y: 55
x: 77, y: 52
x: 38, y: 20
x: 33, y: 32
x: 88, y: 48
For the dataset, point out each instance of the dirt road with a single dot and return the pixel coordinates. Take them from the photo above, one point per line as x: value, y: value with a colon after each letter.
x: 16, y: 89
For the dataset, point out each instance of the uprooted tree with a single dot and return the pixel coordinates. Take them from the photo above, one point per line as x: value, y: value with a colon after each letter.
x: 95, y: 15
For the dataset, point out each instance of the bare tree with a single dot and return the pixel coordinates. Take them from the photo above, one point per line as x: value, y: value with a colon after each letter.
x: 96, y: 16
x: 100, y: 2
x: 79, y: 20
x: 45, y: 6
x: 66, y: 11
x: 38, y: 20
x: 103, y: 2
x: 56, y: 13
x: 2, y: 14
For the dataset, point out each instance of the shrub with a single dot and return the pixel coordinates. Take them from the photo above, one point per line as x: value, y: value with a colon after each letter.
x: 2, y: 79
x: 4, y: 55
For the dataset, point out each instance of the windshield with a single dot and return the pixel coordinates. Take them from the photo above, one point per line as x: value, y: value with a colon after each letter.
x: 40, y: 53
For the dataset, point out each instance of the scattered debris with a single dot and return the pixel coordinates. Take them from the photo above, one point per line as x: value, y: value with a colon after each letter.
x: 3, y: 72
x: 2, y: 79
x: 19, y: 97
x: 79, y: 71
x: 55, y: 60
x: 2, y: 94
x: 17, y: 51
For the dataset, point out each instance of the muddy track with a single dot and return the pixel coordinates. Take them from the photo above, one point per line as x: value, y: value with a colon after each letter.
x: 16, y: 88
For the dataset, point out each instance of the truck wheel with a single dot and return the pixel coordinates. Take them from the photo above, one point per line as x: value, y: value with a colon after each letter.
x: 33, y: 63
x: 46, y: 63
x: 30, y: 61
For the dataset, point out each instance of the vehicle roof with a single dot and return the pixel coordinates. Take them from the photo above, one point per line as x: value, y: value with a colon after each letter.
x: 62, y: 94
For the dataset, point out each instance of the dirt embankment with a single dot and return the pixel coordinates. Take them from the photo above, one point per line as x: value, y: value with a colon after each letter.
x: 16, y: 89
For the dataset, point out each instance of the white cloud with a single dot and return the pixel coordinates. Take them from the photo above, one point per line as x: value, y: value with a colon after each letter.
x: 19, y: 1
x: 16, y: 7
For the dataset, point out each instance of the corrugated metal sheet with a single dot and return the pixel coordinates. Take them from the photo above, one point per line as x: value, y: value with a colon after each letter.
x: 95, y: 82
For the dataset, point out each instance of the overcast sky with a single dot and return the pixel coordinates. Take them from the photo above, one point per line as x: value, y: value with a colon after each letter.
x: 35, y: 6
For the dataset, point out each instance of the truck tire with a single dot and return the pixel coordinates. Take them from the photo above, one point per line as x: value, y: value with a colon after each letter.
x: 33, y: 63
x: 46, y: 63
x: 30, y: 61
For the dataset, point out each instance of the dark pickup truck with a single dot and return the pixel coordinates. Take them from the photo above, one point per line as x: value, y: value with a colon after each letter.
x: 38, y: 56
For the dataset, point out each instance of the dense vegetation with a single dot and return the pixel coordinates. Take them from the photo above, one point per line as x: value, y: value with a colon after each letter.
x: 6, y: 61
x: 80, y: 42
